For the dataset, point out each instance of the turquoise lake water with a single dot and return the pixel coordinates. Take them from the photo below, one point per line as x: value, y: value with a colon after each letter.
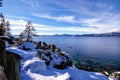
x: 104, y: 51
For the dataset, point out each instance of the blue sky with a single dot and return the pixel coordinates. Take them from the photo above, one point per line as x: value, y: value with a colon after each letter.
x: 63, y: 16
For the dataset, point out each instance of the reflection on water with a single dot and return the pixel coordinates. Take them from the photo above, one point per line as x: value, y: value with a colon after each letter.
x: 90, y: 53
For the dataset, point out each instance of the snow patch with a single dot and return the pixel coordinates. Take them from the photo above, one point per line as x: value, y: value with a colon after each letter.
x: 35, y: 65
x: 28, y: 46
x: 15, y: 50
x: 35, y: 69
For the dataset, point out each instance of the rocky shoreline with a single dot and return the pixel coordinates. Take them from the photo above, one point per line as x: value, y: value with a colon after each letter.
x: 46, y: 51
x: 88, y: 65
x: 51, y: 54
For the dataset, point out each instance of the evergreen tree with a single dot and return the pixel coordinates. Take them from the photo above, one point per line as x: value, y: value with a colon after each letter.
x: 0, y: 2
x: 2, y: 25
x: 29, y: 31
x: 7, y: 29
x: 20, y: 38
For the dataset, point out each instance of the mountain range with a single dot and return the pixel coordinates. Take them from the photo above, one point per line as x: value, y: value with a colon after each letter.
x: 93, y: 35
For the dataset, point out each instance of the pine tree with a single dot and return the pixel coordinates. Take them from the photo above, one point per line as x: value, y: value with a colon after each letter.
x: 0, y: 2
x: 29, y: 31
x: 2, y: 25
x: 1, y: 22
x: 20, y: 38
x: 7, y: 29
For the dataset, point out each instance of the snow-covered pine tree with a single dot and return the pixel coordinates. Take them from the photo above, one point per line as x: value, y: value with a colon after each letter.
x: 2, y: 25
x: 7, y: 29
x: 29, y: 32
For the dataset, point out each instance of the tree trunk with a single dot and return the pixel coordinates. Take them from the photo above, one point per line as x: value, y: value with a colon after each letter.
x: 28, y: 37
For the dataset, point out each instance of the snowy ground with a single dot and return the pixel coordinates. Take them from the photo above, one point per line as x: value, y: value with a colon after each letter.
x: 32, y: 68
x: 35, y: 69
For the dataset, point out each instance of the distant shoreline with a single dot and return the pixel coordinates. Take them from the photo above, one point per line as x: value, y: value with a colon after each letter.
x: 112, y: 34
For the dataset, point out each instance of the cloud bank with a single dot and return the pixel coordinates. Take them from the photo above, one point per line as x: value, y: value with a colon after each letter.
x: 90, y: 16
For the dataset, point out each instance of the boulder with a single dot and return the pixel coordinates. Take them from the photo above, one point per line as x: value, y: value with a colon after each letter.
x: 56, y: 60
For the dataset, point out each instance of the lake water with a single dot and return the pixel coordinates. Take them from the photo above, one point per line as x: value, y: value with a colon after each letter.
x: 91, y: 51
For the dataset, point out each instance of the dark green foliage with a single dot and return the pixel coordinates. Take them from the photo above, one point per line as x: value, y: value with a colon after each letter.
x: 39, y: 54
x: 2, y: 25
x: 69, y: 61
x: 42, y: 45
x: 62, y: 65
x: 9, y: 40
x: 2, y: 30
x: 1, y: 3
x: 53, y: 47
x: 47, y: 53
x: 49, y: 57
x: 58, y: 50
x: 25, y: 48
x: 38, y: 45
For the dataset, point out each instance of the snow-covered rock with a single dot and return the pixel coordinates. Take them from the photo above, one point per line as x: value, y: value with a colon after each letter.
x: 33, y: 68
x: 35, y: 65
x: 67, y: 74
x: 115, y: 76
x: 59, y: 61
x: 15, y: 50
x: 28, y: 46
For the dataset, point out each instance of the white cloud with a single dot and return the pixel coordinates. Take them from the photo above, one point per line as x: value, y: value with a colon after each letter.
x: 104, y: 23
x: 18, y: 26
x: 114, y: 30
x: 17, y: 22
x: 69, y: 19
x: 95, y: 25
x: 84, y: 7
x: 17, y: 17
x: 98, y: 17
